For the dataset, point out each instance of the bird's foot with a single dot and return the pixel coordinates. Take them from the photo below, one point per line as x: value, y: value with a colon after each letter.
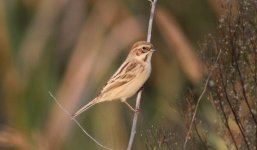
x: 131, y: 108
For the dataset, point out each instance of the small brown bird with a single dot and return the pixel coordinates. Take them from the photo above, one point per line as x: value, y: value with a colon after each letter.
x: 128, y: 79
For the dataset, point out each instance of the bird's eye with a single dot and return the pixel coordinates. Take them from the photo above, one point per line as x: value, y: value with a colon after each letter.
x: 144, y: 49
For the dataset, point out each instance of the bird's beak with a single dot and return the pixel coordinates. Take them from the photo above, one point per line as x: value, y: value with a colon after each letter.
x: 153, y: 50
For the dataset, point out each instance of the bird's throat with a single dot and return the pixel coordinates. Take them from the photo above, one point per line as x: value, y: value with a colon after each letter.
x: 147, y: 57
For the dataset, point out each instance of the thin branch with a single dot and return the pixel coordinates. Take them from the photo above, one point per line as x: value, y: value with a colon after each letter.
x: 77, y: 123
x: 226, y: 120
x: 199, y: 99
x: 238, y: 122
x: 150, y: 25
x: 244, y: 91
x: 134, y: 124
x: 200, y: 138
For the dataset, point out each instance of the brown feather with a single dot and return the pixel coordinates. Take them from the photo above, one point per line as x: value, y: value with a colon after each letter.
x: 121, y: 78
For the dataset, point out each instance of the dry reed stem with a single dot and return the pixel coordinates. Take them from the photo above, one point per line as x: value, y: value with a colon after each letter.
x: 183, y: 49
x: 9, y: 73
x: 39, y: 31
x: 73, y: 18
x: 149, y: 34
x: 12, y: 138
x: 77, y: 73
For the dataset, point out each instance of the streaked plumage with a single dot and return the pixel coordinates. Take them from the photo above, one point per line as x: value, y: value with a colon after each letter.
x: 128, y: 79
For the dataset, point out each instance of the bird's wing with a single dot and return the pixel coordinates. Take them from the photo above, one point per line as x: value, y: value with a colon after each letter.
x: 127, y: 72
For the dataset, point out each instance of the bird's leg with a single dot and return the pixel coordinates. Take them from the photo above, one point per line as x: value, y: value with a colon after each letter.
x: 130, y: 107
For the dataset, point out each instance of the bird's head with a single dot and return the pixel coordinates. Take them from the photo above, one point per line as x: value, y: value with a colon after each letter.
x: 142, y: 51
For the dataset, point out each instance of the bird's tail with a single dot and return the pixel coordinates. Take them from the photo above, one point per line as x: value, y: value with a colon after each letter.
x: 81, y: 110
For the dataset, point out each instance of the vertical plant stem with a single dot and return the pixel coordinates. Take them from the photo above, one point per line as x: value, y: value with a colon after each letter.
x: 238, y: 122
x: 150, y: 25
x: 226, y: 120
x: 134, y: 124
x: 198, y: 102
x: 200, y: 138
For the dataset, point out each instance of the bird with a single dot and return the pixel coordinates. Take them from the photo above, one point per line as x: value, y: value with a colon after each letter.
x: 128, y: 79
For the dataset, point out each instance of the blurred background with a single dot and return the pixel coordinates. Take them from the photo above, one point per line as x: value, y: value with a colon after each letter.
x: 72, y: 47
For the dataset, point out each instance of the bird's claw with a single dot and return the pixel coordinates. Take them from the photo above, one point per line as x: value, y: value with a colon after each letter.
x: 137, y: 110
